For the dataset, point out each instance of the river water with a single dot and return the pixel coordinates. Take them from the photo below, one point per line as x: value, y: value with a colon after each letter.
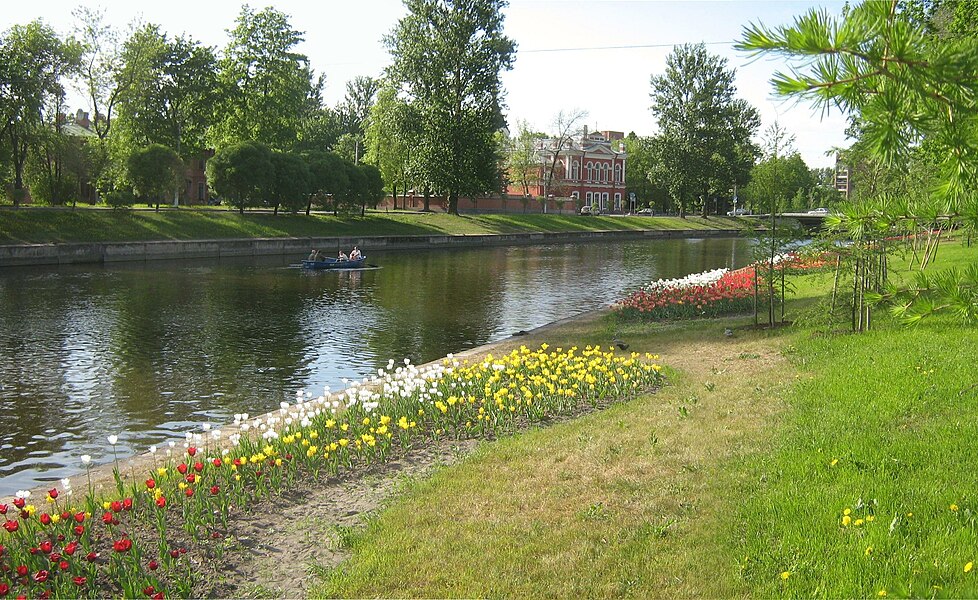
x: 150, y: 350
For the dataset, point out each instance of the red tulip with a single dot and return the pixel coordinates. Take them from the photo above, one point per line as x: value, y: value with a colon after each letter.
x: 45, y: 519
x: 116, y: 506
x: 71, y: 548
x: 189, y: 492
x: 215, y: 490
x: 149, y: 590
x: 174, y: 553
x: 191, y: 451
x: 66, y: 515
x: 53, y: 493
x: 161, y: 502
x: 22, y: 570
x: 107, y: 517
x: 127, y: 504
x: 191, y: 477
x: 153, y: 565
x: 20, y: 502
x: 4, y: 589
x: 198, y: 466
x: 46, y: 547
x: 150, y: 483
x: 182, y: 468
x: 217, y: 462
x: 3, y: 509
x: 41, y: 576
x: 54, y: 557
x: 79, y: 530
x: 80, y: 581
x: 158, y: 596
x: 79, y: 516
x: 63, y: 565
x: 123, y: 545
x: 91, y: 556
x: 11, y: 526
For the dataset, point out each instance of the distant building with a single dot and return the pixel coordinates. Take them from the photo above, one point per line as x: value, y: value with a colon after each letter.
x: 843, y: 183
x: 589, y: 168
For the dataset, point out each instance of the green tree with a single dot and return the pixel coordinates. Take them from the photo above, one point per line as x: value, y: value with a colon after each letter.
x: 523, y: 158
x: 34, y: 60
x: 328, y: 180
x: 153, y: 171
x: 267, y: 87
x: 373, y: 187
x: 447, y: 57
x: 638, y: 179
x: 704, y: 141
x: 242, y: 173
x: 907, y: 90
x: 391, y: 129
x: 291, y: 181
x: 354, y: 111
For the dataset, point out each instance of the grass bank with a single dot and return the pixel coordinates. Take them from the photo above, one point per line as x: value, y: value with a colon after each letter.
x: 28, y: 226
x: 800, y: 462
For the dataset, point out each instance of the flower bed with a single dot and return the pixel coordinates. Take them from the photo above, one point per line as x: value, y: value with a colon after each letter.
x: 150, y: 537
x: 708, y: 294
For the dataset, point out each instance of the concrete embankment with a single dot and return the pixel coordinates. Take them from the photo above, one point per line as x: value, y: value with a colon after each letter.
x: 104, y: 252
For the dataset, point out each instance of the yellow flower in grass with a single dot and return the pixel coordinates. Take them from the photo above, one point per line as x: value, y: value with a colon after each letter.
x: 847, y: 511
x: 161, y: 471
x: 870, y: 518
x: 785, y: 575
x: 107, y: 505
x: 344, y: 442
x: 55, y: 518
x: 834, y: 462
x: 881, y: 593
x: 968, y: 567
x: 846, y: 521
x: 858, y: 523
x: 953, y: 507
x: 869, y: 550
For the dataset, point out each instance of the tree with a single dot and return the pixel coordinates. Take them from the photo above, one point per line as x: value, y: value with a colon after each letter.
x: 268, y: 88
x: 373, y: 187
x: 153, y: 171
x: 291, y: 181
x: 391, y: 130
x: 33, y: 62
x: 354, y: 111
x: 704, y: 140
x: 447, y: 56
x: 328, y: 180
x: 566, y: 125
x: 637, y: 175
x: 243, y: 173
x: 909, y: 93
x: 522, y: 157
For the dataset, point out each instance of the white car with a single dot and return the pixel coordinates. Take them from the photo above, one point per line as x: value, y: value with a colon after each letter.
x: 819, y: 211
x: 737, y: 212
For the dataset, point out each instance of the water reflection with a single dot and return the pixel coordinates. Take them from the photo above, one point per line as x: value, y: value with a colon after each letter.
x: 148, y: 350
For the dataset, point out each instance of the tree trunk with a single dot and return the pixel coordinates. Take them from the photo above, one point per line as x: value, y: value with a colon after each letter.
x: 453, y: 203
x: 427, y: 200
x: 309, y: 205
x: 394, y: 194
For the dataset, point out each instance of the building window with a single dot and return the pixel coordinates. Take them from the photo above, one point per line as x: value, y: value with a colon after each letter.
x: 587, y: 199
x: 588, y: 171
x: 618, y: 173
x: 575, y: 170
x: 604, y: 201
x: 618, y: 201
x: 201, y: 191
x: 575, y: 195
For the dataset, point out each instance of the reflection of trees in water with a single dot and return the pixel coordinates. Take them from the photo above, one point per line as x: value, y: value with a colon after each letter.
x: 443, y: 302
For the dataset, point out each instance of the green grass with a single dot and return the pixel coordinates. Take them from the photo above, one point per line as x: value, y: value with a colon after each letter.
x: 102, y: 225
x: 718, y: 484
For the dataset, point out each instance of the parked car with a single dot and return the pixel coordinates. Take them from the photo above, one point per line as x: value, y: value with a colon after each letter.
x: 645, y: 211
x: 737, y: 212
x: 590, y: 210
x: 819, y: 211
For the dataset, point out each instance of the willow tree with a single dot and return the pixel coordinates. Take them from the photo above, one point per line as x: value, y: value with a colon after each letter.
x: 447, y: 59
x: 906, y: 89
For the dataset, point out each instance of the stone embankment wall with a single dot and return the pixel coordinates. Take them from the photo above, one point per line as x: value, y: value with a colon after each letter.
x: 79, y: 253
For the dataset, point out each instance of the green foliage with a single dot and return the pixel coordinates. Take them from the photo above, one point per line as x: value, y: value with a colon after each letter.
x: 267, y: 88
x: 154, y: 171
x: 390, y: 134
x: 522, y: 160
x: 329, y: 180
x: 778, y: 180
x: 33, y: 61
x: 952, y: 291
x: 637, y: 180
x: 704, y: 141
x: 242, y: 174
x: 447, y: 56
x: 291, y: 183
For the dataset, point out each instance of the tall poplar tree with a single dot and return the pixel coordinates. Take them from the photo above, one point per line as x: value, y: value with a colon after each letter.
x: 704, y: 141
x: 447, y: 58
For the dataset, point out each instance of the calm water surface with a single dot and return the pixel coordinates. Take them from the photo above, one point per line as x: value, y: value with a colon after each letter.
x: 150, y: 350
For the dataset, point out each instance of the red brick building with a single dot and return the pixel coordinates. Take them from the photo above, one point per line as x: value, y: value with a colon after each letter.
x: 590, y: 169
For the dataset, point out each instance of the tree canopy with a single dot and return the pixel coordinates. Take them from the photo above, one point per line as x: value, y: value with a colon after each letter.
x: 447, y: 58
x: 704, y: 140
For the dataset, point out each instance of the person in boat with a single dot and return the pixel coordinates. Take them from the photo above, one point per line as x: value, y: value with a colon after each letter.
x: 314, y: 255
x: 355, y: 254
x: 343, y: 256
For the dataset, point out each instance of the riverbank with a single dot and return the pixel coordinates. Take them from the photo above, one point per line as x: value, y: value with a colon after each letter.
x: 796, y: 462
x: 57, y: 237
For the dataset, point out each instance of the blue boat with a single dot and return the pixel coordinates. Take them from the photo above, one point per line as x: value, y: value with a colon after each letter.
x: 334, y: 263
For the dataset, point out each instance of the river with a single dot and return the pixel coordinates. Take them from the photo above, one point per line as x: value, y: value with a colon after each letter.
x: 147, y: 351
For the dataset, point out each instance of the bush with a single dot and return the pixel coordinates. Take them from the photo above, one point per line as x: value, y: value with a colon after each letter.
x: 119, y: 199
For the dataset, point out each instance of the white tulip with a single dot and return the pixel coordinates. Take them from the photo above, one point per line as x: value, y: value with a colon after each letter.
x: 86, y: 459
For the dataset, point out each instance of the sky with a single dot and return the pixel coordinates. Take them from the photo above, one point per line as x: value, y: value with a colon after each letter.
x: 563, y: 61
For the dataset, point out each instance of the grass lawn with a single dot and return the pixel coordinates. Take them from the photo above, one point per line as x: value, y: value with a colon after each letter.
x: 734, y: 480
x: 102, y: 225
